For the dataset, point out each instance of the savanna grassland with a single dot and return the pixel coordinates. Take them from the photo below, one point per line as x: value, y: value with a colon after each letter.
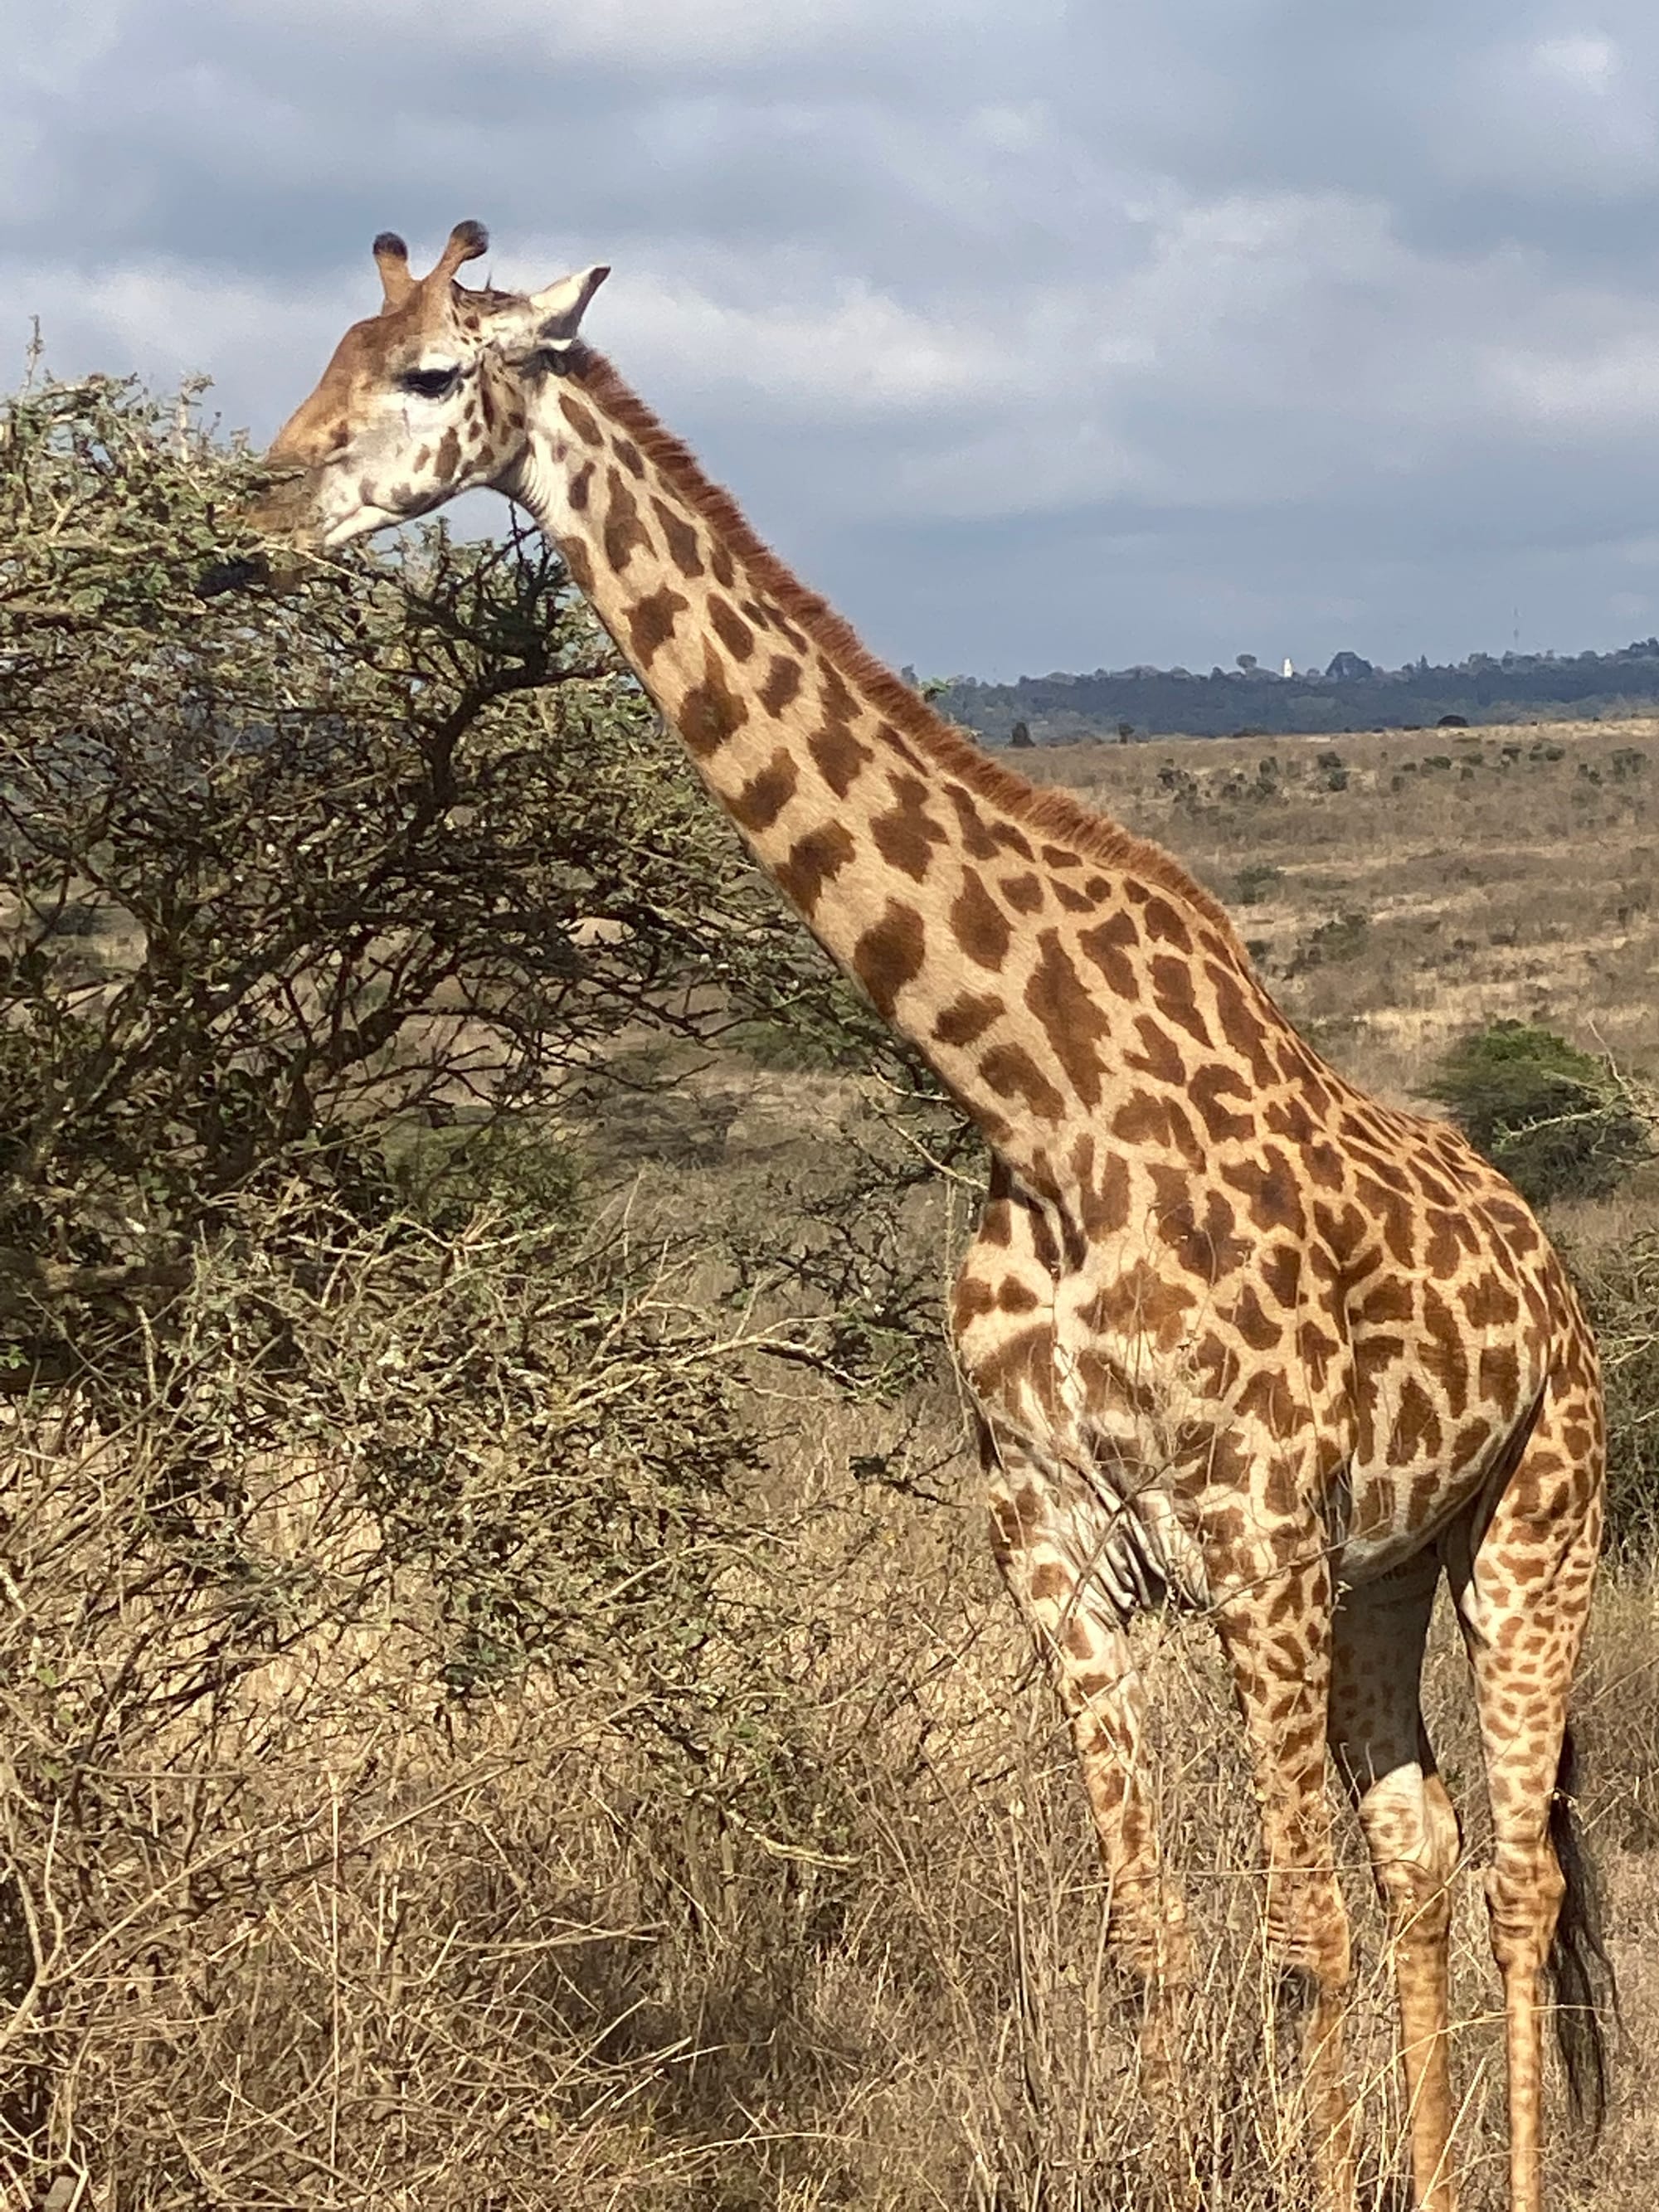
x: 503, y: 1698
x: 1399, y: 886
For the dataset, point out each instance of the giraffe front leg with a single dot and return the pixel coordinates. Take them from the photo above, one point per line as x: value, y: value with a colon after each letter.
x: 1382, y: 1751
x: 1147, y: 1916
x: 1274, y: 1614
x: 1080, y: 1636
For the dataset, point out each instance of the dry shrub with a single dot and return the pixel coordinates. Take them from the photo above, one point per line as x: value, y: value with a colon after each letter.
x: 371, y: 1721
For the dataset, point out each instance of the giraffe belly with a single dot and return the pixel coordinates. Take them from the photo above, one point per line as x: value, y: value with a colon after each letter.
x: 1384, y: 1516
x: 1368, y: 1559
x: 1166, y: 1444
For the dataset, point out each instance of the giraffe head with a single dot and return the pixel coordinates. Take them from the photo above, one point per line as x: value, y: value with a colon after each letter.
x: 420, y: 401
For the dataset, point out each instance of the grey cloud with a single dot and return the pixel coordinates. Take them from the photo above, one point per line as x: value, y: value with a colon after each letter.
x: 1041, y: 337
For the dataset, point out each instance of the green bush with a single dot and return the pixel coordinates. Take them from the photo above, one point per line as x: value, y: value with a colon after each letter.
x: 1342, y: 937
x: 1557, y: 1121
x: 1257, y: 880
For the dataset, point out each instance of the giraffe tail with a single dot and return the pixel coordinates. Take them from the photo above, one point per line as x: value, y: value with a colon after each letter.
x: 1582, y: 1981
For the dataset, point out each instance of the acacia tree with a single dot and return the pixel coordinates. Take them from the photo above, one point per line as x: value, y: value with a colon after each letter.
x: 332, y: 921
x: 324, y: 915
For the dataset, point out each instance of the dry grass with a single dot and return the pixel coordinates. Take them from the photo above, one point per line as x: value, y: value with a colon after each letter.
x: 314, y: 1937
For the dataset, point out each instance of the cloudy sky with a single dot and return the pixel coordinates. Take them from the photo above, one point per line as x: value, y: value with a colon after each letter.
x: 1039, y: 335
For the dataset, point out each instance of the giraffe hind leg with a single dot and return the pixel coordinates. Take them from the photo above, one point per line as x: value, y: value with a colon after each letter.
x: 1521, y: 1578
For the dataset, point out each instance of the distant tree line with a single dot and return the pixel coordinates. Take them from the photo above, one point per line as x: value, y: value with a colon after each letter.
x: 1351, y: 694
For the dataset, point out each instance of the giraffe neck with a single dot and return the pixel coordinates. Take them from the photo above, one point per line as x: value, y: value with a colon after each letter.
x: 990, y: 925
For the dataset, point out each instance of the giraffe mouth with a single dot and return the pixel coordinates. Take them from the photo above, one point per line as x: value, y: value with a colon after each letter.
x: 238, y: 575
x: 283, y: 512
x: 286, y: 510
x: 287, y: 507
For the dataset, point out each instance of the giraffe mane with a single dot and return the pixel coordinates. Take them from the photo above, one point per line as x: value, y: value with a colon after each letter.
x: 1054, y: 814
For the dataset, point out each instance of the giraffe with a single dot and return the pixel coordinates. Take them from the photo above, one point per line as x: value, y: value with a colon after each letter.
x: 1238, y: 1337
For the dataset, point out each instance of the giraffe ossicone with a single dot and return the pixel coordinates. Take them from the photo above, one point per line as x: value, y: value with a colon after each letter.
x: 1237, y: 1335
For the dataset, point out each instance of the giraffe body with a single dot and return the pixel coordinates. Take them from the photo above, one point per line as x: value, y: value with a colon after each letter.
x: 1239, y: 1337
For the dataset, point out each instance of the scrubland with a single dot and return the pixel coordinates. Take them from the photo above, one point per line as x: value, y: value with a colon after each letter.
x: 504, y: 1702
x: 1399, y: 886
x: 311, y: 1930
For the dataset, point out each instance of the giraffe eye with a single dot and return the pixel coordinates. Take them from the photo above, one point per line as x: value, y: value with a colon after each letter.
x: 430, y: 383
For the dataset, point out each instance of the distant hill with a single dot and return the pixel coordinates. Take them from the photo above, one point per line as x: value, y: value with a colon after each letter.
x: 1351, y: 695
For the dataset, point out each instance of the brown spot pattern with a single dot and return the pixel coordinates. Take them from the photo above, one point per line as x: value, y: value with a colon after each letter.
x: 1142, y: 1303
x: 1071, y: 1018
x: 1174, y: 995
x: 1206, y: 1088
x: 1269, y: 1189
x: 812, y: 861
x: 783, y: 684
x: 839, y: 755
x: 711, y: 710
x: 624, y: 533
x: 890, y: 955
x: 1010, y: 1072
x: 1241, y: 1024
x: 967, y: 1017
x: 980, y: 926
x: 734, y: 634
x: 766, y: 793
x: 579, y: 420
x: 1023, y: 893
x: 1158, y: 1056
x: 906, y: 836
x: 651, y: 622
x: 976, y: 840
x: 680, y: 537
x: 1107, y: 946
x: 1163, y: 922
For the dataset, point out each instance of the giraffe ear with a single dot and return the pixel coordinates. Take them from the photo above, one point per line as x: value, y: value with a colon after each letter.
x: 466, y: 242
x: 392, y: 259
x: 556, y: 314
